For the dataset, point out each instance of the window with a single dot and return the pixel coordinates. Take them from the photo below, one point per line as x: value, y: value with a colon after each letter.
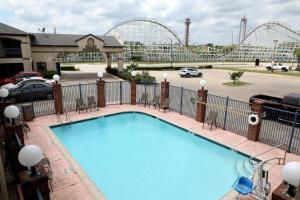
x: 91, y: 42
x: 39, y: 86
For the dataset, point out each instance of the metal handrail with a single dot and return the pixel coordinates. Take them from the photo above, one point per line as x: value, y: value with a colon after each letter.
x: 58, y: 118
x: 275, y: 147
x: 68, y: 116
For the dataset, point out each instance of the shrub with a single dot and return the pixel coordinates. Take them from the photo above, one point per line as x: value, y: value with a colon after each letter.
x: 48, y: 74
x: 111, y: 70
x: 68, y: 68
x: 145, y: 78
x: 235, y: 76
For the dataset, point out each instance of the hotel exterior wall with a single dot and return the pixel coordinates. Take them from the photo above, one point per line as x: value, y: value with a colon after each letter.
x: 25, y: 49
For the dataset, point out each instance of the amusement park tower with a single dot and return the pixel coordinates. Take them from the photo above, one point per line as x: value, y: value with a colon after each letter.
x: 243, y: 29
x: 187, y: 31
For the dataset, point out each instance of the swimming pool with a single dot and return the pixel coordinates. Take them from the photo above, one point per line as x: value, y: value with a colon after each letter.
x: 134, y: 156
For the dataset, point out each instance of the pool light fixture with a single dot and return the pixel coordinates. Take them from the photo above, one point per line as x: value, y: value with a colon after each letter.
x: 165, y: 76
x: 3, y: 93
x: 202, y: 83
x: 56, y: 78
x: 11, y: 112
x: 30, y: 156
x: 100, y: 75
x: 291, y: 174
x: 133, y: 73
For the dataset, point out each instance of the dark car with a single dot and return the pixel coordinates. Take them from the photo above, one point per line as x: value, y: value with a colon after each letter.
x: 31, y: 92
x: 19, y: 76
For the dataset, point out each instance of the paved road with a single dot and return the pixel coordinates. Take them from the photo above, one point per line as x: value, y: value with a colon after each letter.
x: 275, y: 85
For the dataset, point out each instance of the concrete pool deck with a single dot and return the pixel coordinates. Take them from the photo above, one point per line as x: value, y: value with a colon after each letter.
x: 70, y: 181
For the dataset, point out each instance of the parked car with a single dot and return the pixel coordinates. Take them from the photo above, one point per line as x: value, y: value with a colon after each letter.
x: 278, y: 66
x: 18, y: 76
x: 31, y: 92
x: 290, y: 103
x: 25, y: 81
x: 187, y: 72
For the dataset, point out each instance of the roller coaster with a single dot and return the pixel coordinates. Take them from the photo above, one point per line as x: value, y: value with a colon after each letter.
x: 147, y: 39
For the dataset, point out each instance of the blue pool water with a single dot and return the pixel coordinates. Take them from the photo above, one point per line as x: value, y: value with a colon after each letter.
x: 133, y: 156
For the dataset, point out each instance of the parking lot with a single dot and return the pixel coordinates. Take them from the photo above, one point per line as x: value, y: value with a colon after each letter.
x: 275, y: 85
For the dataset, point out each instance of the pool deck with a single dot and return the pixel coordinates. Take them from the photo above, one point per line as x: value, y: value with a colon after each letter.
x: 70, y: 181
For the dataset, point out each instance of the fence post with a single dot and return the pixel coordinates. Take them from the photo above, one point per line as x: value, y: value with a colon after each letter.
x: 181, y: 97
x: 57, y: 93
x: 164, y: 91
x: 101, y: 93
x: 292, y: 133
x: 121, y: 93
x: 254, y: 130
x: 154, y: 90
x: 133, y: 92
x: 201, y: 105
x: 80, y: 94
x: 226, y: 111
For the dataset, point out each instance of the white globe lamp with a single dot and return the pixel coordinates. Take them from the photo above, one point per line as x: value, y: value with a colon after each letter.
x: 11, y: 112
x: 56, y: 78
x: 30, y: 156
x: 3, y: 93
x: 291, y: 174
x: 165, y: 76
x: 133, y: 74
x: 100, y: 75
x: 202, y: 83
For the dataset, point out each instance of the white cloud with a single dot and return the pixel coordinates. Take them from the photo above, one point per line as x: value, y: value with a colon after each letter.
x: 212, y: 21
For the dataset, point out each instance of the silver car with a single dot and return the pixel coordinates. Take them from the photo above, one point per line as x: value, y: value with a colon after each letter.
x: 187, y: 72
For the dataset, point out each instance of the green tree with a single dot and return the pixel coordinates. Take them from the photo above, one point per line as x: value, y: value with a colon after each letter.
x: 296, y: 53
x: 235, y: 76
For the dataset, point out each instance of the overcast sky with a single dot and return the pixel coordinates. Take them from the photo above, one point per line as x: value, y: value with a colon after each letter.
x: 212, y: 20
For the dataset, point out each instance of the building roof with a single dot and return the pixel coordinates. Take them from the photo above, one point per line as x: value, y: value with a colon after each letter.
x: 9, y: 30
x: 46, y: 39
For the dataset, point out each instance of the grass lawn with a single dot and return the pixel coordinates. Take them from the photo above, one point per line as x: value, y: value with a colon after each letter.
x: 289, y: 73
x: 237, y: 84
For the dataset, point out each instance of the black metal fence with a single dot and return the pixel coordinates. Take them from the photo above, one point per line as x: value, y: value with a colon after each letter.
x: 281, y: 127
x: 278, y: 126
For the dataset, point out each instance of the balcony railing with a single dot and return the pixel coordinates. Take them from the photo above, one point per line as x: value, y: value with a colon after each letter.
x: 10, y: 53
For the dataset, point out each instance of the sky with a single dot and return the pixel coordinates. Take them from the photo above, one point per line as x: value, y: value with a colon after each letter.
x: 213, y: 21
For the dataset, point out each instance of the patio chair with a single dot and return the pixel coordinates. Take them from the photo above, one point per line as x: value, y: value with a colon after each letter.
x: 154, y: 102
x: 244, y: 186
x: 165, y: 104
x: 91, y: 102
x: 80, y: 105
x: 143, y: 99
x: 212, y: 119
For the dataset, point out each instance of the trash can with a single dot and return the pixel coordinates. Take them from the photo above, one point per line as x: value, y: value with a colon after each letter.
x: 256, y: 62
x: 27, y: 111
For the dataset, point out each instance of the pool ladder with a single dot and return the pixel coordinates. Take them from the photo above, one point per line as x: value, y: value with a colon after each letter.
x: 68, y: 119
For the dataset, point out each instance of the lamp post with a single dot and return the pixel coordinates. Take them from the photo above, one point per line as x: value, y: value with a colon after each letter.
x: 56, y: 78
x: 291, y: 174
x: 100, y: 75
x: 202, y: 83
x: 30, y: 156
x: 275, y: 43
x: 3, y: 93
x: 133, y: 88
x: 171, y: 51
x: 165, y: 76
x: 12, y: 112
